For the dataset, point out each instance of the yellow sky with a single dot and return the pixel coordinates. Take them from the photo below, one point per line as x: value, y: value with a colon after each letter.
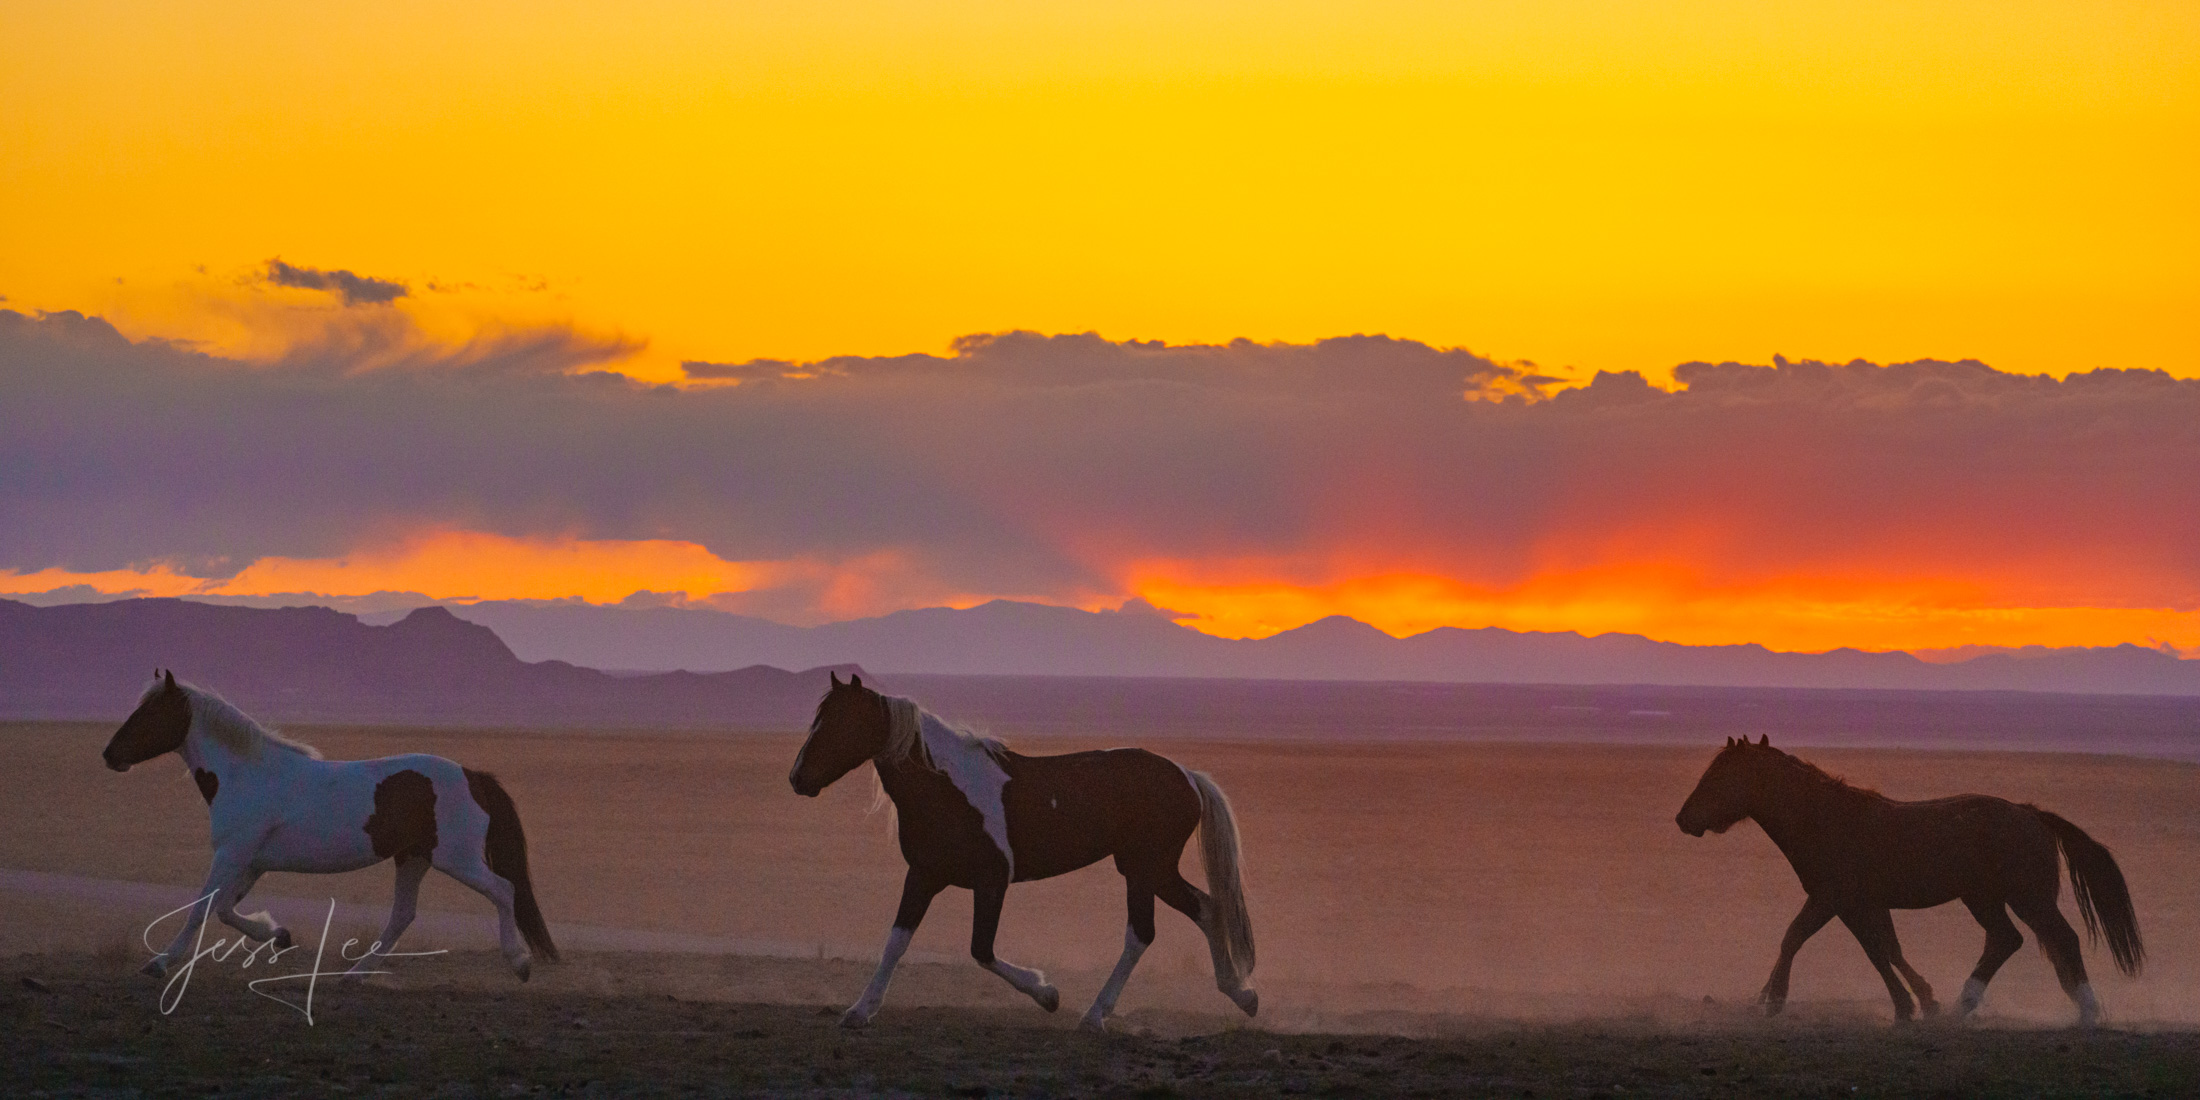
x: 1596, y: 185
x: 1588, y: 184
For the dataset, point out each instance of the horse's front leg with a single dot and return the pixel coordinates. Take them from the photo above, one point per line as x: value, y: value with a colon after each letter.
x: 1874, y: 928
x: 222, y: 879
x: 1925, y: 1002
x: 1806, y: 924
x: 917, y: 891
x: 260, y: 925
x: 985, y: 920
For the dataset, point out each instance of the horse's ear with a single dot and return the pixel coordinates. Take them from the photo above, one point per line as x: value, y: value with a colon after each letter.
x: 833, y: 676
x: 1764, y: 740
x: 171, y: 677
x: 1730, y: 742
x: 855, y: 679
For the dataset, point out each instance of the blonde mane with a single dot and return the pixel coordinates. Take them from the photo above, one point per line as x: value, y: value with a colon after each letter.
x: 233, y: 729
x: 905, y: 740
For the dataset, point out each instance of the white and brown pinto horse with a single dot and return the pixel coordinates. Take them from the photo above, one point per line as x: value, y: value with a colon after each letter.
x: 276, y: 805
x: 975, y: 815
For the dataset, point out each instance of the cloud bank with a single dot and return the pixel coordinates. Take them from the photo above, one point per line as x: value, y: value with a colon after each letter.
x: 1066, y: 467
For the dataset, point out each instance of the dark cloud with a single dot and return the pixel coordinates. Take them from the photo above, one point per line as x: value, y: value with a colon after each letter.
x: 1033, y: 465
x: 353, y: 289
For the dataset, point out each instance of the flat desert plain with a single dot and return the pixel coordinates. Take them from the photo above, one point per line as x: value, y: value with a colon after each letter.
x: 1433, y: 919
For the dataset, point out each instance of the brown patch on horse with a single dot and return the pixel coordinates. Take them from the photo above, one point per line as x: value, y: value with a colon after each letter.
x: 208, y: 783
x: 403, y: 822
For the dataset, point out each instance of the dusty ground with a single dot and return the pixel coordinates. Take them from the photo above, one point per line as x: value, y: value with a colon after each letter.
x: 79, y: 1025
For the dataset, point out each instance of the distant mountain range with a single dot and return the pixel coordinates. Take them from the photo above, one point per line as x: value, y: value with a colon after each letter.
x: 311, y: 664
x: 1010, y: 638
x: 430, y: 667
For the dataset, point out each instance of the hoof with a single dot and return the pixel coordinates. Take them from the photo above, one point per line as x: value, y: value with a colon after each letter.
x: 157, y: 968
x: 856, y: 1019
x: 282, y: 940
x: 525, y: 968
x: 1248, y: 1000
x: 1049, y: 998
x: 1929, y: 1009
x: 1097, y: 1025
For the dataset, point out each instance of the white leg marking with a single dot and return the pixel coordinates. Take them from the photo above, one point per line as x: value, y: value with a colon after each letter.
x: 2089, y: 1006
x: 1030, y: 983
x: 1974, y: 992
x: 1104, y: 1006
x: 897, y: 942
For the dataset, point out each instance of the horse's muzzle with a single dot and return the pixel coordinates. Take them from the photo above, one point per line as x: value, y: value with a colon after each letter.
x: 1685, y: 827
x: 806, y: 792
x: 115, y: 765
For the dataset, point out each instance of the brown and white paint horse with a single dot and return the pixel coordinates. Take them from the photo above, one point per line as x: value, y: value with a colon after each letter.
x: 1860, y: 854
x: 275, y: 805
x: 976, y: 815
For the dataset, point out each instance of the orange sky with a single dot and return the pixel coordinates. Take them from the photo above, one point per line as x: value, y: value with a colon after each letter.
x: 1588, y: 185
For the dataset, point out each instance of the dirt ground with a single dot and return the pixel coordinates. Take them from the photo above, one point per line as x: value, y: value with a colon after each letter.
x: 614, y: 1025
x: 1433, y: 919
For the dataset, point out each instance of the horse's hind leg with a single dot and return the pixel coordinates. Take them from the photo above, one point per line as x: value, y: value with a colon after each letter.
x: 917, y: 892
x: 1137, y: 936
x: 410, y: 870
x: 2002, y: 941
x: 985, y: 922
x: 1874, y: 929
x: 1192, y: 901
x: 474, y: 871
x: 1806, y: 924
x: 2060, y: 942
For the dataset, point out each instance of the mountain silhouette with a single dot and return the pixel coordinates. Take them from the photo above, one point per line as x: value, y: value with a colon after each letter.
x: 312, y: 664
x: 1011, y: 638
x: 433, y: 667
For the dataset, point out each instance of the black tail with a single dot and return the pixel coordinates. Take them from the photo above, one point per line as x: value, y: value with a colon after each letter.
x: 2103, y: 899
x: 507, y: 855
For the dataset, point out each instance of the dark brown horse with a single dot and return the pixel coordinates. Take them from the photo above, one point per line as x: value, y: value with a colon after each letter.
x: 1860, y: 854
x: 975, y: 815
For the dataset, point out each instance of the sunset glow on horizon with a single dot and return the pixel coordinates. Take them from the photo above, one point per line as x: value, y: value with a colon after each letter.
x: 1804, y: 615
x: 389, y: 258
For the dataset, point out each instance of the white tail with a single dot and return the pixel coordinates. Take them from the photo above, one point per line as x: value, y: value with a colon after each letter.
x: 1230, y: 928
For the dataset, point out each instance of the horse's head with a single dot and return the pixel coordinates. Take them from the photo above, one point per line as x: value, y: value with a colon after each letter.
x: 159, y: 724
x: 1728, y: 791
x: 851, y: 727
